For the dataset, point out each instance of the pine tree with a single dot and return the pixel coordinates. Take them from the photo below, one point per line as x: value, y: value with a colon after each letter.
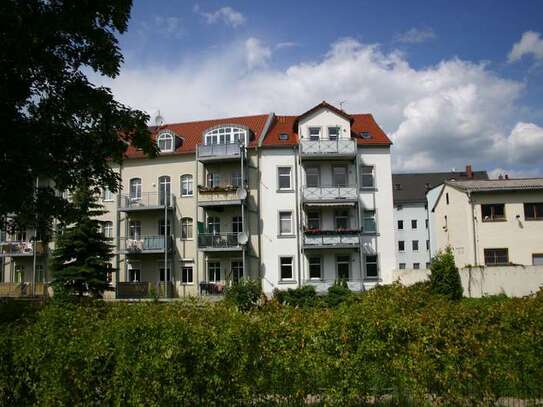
x: 444, y: 276
x: 80, y: 261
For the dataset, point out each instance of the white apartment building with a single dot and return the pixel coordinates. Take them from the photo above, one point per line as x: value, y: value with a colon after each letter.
x: 289, y: 200
x: 491, y: 222
x: 413, y: 194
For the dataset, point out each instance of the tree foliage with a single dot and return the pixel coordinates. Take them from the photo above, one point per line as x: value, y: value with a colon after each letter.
x: 444, y: 276
x: 57, y: 125
x: 80, y: 261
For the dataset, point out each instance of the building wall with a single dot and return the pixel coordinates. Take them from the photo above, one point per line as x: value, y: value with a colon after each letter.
x: 324, y: 118
x: 431, y: 199
x: 406, y: 213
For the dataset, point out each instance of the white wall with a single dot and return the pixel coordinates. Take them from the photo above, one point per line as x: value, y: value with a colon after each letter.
x: 324, y: 118
x: 431, y: 199
x: 407, y: 213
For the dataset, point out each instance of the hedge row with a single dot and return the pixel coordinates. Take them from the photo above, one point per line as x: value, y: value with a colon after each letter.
x: 388, y: 341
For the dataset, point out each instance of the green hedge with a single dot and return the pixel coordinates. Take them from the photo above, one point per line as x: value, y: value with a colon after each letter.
x: 390, y: 341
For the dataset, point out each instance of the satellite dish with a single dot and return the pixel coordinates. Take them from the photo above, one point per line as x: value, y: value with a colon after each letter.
x: 241, y: 193
x: 243, y: 238
x: 159, y: 120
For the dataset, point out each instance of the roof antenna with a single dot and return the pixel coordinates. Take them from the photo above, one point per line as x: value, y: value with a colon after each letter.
x: 341, y: 103
x: 159, y: 120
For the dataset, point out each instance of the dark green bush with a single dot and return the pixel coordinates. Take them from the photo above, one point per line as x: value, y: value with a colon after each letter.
x: 305, y: 296
x: 338, y: 293
x: 444, y: 276
x: 245, y: 293
x: 388, y: 341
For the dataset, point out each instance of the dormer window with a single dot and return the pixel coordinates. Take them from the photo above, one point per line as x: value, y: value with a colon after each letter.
x: 314, y: 133
x: 165, y: 142
x: 365, y: 134
x: 283, y: 136
x: 226, y: 135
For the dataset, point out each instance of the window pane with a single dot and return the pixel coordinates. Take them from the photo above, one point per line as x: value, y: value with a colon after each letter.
x: 400, y: 224
x: 369, y: 221
x: 343, y: 267
x: 366, y: 178
x: 286, y: 268
x: 496, y: 256
x: 415, y: 245
x: 214, y: 271
x: 314, y: 267
x: 333, y: 133
x: 285, y: 223
x: 371, y: 266
x: 186, y: 185
x: 313, y: 220
x: 284, y: 177
x: 186, y: 228
x: 186, y: 275
x: 401, y: 245
x: 312, y: 175
x: 340, y: 176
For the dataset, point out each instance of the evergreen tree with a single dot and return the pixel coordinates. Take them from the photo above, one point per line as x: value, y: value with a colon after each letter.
x: 444, y: 276
x: 80, y: 262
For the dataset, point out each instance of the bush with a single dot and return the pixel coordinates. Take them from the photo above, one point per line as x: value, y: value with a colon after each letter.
x: 245, y: 294
x: 305, y: 296
x: 338, y: 293
x: 444, y: 276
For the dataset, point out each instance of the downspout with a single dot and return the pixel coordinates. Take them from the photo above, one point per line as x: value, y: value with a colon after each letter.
x: 118, y: 236
x: 299, y: 222
x: 359, y: 210
x: 475, y: 257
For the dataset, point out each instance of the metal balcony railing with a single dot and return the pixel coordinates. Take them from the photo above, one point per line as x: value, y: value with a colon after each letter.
x: 146, y: 244
x: 218, y: 240
x: 335, y: 239
x: 339, y: 147
x: 147, y: 200
x: 21, y: 248
x: 330, y: 193
x: 228, y: 150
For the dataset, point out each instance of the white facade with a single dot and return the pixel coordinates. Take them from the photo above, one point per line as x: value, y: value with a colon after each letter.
x: 412, y: 236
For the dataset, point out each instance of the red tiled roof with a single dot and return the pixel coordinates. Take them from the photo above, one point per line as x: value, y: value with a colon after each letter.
x: 366, y: 123
x: 281, y: 125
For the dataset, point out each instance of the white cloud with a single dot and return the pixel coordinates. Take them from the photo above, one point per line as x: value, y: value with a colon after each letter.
x: 438, y: 117
x: 287, y: 44
x: 416, y: 36
x: 227, y: 15
x: 530, y: 43
x: 258, y: 54
x: 169, y: 25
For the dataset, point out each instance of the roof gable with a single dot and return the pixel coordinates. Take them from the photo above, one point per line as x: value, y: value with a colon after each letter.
x: 322, y: 105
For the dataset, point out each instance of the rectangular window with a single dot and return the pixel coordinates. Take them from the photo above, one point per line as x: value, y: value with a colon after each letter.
x: 186, y: 228
x: 284, y: 178
x: 315, y: 268
x: 285, y: 223
x: 496, y: 257
x: 134, y: 275
x: 413, y: 224
x: 165, y: 274
x: 415, y: 245
x: 108, y: 195
x: 162, y: 231
x: 214, y: 271
x: 426, y: 223
x: 314, y: 133
x: 237, y: 224
x: 341, y: 219
x: 186, y: 185
x: 40, y: 273
x: 370, y: 225
x: 537, y: 259
x: 402, y: 266
x: 186, y: 275
x: 493, y: 212
x: 428, y: 265
x: 235, y: 179
x: 213, y: 225
x: 427, y: 245
x: 339, y: 175
x: 367, y: 178
x: 286, y: 265
x: 416, y: 266
x: 400, y: 225
x: 313, y: 220
x: 401, y: 245
x: 213, y: 180
x: 237, y: 270
x: 343, y: 265
x: 533, y: 211
x: 372, y: 269
x: 312, y: 177
x: 333, y: 133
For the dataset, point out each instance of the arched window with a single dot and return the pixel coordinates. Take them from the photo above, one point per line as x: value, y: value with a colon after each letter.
x: 186, y: 228
x: 226, y: 135
x: 164, y: 190
x: 135, y: 189
x: 165, y: 142
x: 186, y: 185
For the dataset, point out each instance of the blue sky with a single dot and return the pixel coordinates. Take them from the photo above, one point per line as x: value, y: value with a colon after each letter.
x: 450, y: 82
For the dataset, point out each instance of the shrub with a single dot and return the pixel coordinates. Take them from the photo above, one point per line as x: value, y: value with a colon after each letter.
x: 245, y: 293
x: 444, y: 276
x: 338, y: 293
x: 305, y: 296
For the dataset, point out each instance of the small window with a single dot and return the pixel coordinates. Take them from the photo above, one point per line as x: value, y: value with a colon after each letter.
x: 343, y: 265
x: 235, y: 178
x: 186, y: 275
x: 370, y: 225
x: 537, y: 259
x: 401, y: 245
x: 413, y: 224
x: 214, y: 271
x: 402, y: 266
x: 426, y: 223
x: 416, y: 266
x: 493, y: 212
x: 367, y: 176
x: 286, y: 265
x: 285, y: 223
x: 108, y: 229
x: 415, y: 245
x: 237, y: 224
x: 533, y: 211
x: 365, y: 134
x: 333, y: 133
x: 284, y: 178
x: 314, y: 133
x: 447, y: 198
x: 186, y: 228
x: 107, y: 195
x: 400, y: 225
x: 341, y: 219
x: 496, y: 257
x: 313, y: 220
x: 372, y: 269
x: 165, y: 142
x: 135, y: 189
x: 427, y: 245
x: 186, y: 185
x: 283, y: 136
x: 312, y: 177
x: 315, y: 268
x: 428, y: 265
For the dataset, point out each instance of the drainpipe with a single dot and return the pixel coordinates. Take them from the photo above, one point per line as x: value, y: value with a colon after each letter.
x: 359, y: 209
x: 475, y: 257
x: 299, y: 221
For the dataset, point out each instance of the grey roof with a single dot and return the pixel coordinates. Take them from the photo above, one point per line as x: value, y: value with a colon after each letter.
x: 413, y: 187
x: 519, y: 184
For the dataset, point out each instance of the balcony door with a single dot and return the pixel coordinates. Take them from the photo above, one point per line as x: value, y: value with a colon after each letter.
x: 312, y: 177
x: 340, y: 176
x: 237, y: 270
x: 164, y: 190
x: 343, y: 267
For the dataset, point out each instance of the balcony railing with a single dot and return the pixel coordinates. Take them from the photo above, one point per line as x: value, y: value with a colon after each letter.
x: 220, y: 194
x: 145, y: 244
x: 218, y: 241
x: 21, y: 248
x: 331, y: 239
x: 147, y: 200
x: 145, y: 289
x: 330, y: 193
x: 323, y: 148
x: 218, y: 151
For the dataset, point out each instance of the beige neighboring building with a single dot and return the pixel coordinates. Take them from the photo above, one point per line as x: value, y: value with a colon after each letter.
x: 491, y: 222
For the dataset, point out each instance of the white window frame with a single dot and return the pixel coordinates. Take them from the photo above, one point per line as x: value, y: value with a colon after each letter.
x: 134, y: 265
x: 135, y: 189
x: 215, y: 221
x: 187, y: 225
x: 213, y: 179
x: 166, y: 137
x: 164, y: 187
x: 313, y: 136
x: 336, y: 128
x: 279, y: 176
x: 187, y: 185
x: 184, y: 274
x: 310, y: 262
x: 364, y: 172
x: 108, y: 196
x: 280, y: 230
x: 291, y: 279
x: 108, y: 229
x: 134, y: 229
x: 226, y: 135
x: 214, y: 279
x: 343, y: 261
x: 370, y: 215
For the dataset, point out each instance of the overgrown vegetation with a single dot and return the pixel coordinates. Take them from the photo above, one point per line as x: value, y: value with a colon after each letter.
x: 444, y: 276
x: 390, y: 341
x: 245, y: 294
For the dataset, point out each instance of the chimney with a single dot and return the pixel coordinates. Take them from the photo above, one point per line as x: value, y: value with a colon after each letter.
x: 469, y: 172
x: 506, y: 176
x: 500, y: 177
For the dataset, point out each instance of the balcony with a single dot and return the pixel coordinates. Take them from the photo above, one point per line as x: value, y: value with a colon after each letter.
x: 328, y: 149
x: 335, y: 239
x: 145, y: 289
x: 221, y: 195
x: 146, y: 245
x: 147, y: 201
x: 216, y: 152
x: 21, y: 248
x: 330, y: 194
x: 219, y: 241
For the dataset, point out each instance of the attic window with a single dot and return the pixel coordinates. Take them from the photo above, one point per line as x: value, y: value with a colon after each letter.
x: 283, y: 136
x: 165, y: 142
x: 365, y: 134
x: 226, y: 135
